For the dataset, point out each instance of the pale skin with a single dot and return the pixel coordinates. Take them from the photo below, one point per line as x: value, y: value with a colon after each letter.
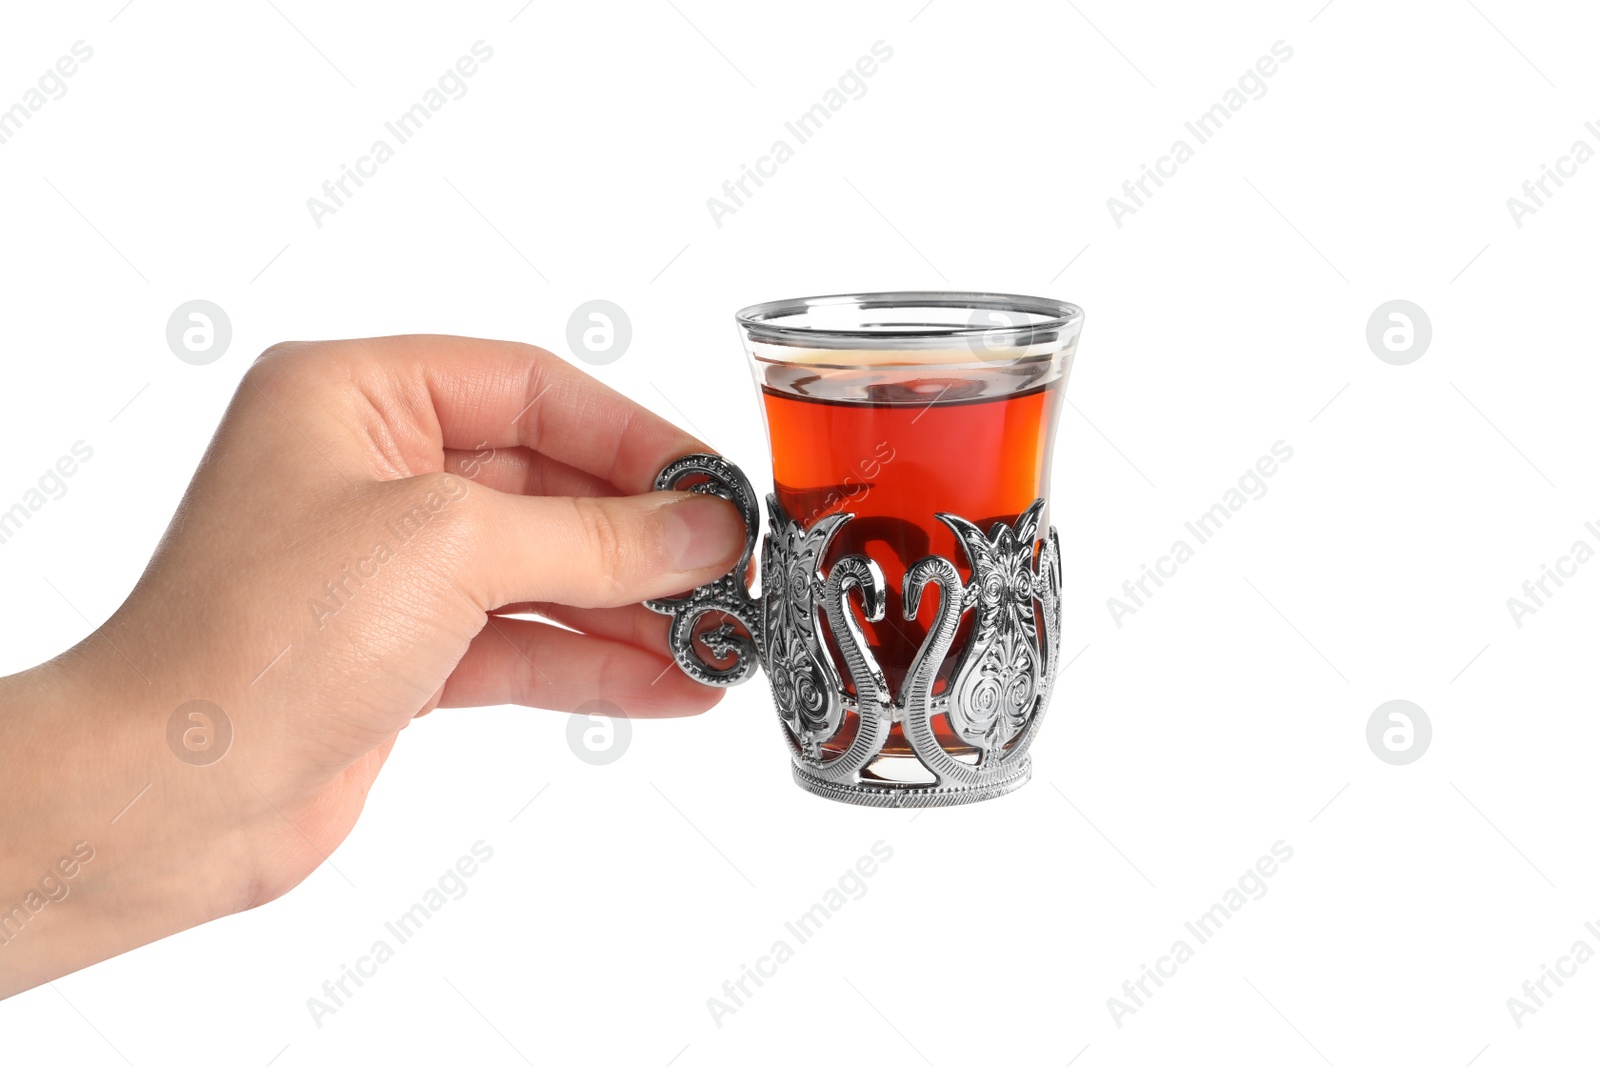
x: 527, y: 487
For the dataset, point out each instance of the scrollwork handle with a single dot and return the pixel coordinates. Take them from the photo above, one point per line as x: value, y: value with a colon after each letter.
x: 729, y: 595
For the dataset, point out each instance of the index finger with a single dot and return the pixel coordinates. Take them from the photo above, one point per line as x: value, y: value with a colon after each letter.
x: 501, y: 394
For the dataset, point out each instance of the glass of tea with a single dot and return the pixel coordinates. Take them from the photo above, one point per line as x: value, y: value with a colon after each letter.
x: 909, y: 611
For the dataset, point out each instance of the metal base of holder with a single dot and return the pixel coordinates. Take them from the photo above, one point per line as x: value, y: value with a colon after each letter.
x: 902, y: 795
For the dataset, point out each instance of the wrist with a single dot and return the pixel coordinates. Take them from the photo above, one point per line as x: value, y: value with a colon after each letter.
x: 111, y: 840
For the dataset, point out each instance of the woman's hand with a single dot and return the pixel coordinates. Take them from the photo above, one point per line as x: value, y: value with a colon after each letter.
x: 335, y: 570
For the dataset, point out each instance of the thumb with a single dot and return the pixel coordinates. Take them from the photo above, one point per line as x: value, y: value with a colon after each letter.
x: 599, y: 552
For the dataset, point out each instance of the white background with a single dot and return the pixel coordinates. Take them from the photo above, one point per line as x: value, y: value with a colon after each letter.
x: 1225, y: 315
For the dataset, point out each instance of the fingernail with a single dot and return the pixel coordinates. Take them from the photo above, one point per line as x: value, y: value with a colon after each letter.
x: 702, y: 530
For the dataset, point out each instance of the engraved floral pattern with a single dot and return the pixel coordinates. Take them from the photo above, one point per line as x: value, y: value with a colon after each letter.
x: 804, y: 685
x: 999, y: 674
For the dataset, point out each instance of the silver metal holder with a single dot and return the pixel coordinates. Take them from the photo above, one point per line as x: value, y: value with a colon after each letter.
x: 998, y: 691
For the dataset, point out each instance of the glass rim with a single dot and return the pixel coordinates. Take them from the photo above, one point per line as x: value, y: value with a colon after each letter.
x: 1053, y: 317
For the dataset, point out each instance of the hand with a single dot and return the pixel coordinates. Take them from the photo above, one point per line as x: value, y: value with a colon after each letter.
x: 341, y: 564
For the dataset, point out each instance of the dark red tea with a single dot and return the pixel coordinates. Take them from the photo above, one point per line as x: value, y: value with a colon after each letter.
x: 894, y: 459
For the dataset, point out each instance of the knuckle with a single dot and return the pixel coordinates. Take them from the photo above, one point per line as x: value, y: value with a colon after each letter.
x: 290, y: 361
x: 435, y: 506
x: 434, y: 528
x: 283, y: 351
x: 289, y: 369
x: 443, y: 497
x: 607, y: 545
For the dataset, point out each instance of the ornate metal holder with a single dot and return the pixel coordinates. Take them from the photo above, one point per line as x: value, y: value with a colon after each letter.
x: 996, y: 696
